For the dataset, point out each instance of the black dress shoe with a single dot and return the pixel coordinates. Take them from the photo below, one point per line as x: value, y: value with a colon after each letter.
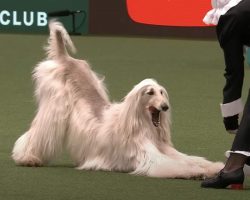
x: 223, y: 180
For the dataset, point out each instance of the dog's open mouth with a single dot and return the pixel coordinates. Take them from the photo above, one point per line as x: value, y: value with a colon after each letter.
x: 155, y: 114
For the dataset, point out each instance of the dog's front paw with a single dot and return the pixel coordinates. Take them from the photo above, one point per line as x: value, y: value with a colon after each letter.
x: 29, y: 161
x: 213, y: 169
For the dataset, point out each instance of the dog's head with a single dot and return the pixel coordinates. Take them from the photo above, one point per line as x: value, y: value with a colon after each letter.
x: 153, y: 98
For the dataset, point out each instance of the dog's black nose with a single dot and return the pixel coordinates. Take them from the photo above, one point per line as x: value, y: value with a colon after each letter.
x: 164, y: 107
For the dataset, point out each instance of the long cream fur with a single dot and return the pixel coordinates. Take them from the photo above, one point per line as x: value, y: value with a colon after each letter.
x: 74, y: 112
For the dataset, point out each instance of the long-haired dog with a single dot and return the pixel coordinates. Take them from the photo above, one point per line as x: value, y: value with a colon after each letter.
x: 74, y: 112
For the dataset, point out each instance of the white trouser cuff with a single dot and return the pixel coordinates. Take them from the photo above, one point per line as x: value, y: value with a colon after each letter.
x: 245, y: 153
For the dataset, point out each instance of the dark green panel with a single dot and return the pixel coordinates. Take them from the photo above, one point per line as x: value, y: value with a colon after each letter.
x: 31, y: 16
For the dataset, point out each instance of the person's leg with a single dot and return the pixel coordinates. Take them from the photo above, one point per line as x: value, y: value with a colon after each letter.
x: 233, y: 173
x: 241, y: 28
x: 233, y: 52
x: 230, y: 30
x: 233, y: 32
x: 241, y: 144
x: 242, y: 138
x: 234, y: 162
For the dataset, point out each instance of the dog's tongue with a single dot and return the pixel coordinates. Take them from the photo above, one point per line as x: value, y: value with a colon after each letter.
x: 155, y: 116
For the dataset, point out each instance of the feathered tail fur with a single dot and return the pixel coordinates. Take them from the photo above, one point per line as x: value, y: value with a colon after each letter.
x: 58, y: 41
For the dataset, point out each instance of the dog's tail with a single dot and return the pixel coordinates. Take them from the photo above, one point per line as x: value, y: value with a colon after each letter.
x: 59, y: 41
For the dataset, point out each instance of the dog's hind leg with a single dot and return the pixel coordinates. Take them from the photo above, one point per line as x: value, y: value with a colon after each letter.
x: 45, y: 138
x: 22, y: 153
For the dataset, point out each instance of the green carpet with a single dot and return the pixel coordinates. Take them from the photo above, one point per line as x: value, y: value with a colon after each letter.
x: 192, y: 72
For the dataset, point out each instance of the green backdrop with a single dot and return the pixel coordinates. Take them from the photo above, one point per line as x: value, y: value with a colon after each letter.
x: 31, y: 16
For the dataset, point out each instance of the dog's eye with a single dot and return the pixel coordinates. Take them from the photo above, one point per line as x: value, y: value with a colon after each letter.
x: 161, y: 92
x: 151, y: 92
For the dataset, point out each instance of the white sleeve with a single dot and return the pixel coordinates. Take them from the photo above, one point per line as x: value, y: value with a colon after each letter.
x: 232, y: 108
x: 220, y: 7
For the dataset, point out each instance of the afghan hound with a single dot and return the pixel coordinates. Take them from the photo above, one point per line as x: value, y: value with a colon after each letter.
x: 74, y: 112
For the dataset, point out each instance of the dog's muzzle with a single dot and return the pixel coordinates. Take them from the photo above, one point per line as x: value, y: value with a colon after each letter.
x: 155, y: 113
x: 164, y: 107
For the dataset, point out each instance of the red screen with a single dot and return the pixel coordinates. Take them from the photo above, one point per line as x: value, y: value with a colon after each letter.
x: 169, y: 12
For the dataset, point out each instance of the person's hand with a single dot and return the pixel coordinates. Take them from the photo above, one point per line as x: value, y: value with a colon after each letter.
x: 231, y: 124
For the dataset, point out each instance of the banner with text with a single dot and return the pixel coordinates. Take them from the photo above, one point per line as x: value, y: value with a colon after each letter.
x: 33, y: 16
